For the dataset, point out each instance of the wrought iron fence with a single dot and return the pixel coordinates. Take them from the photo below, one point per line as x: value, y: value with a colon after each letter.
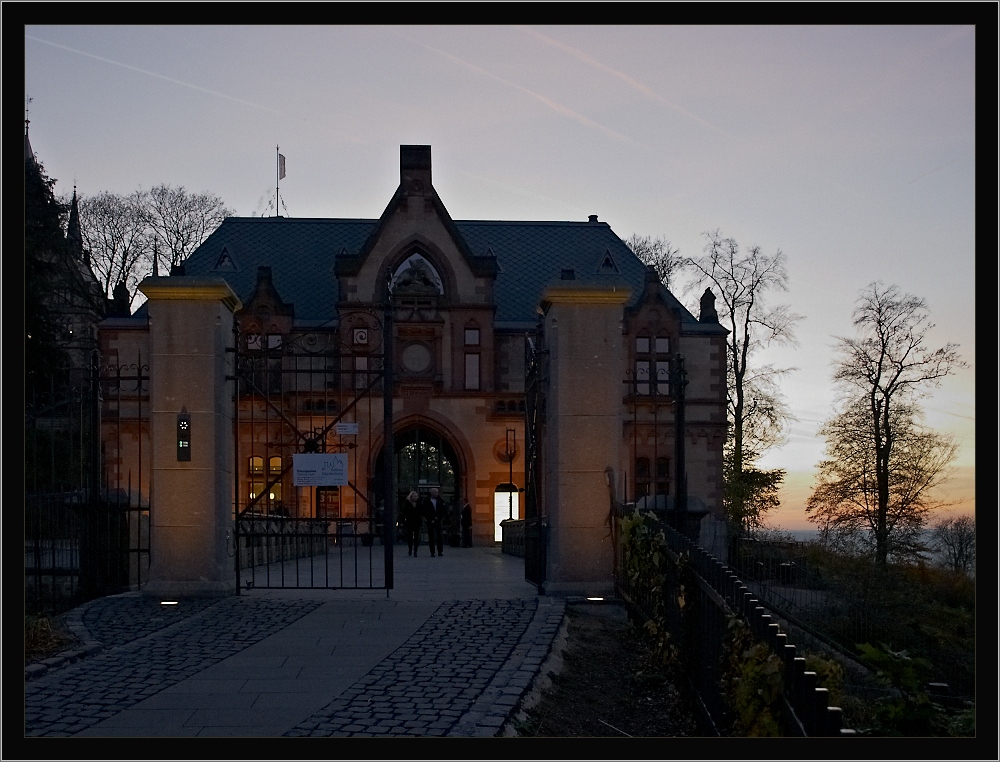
x: 843, y: 601
x: 86, y: 531
x: 698, y: 595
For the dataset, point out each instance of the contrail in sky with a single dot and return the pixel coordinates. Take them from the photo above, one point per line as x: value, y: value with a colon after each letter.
x: 517, y: 189
x: 547, y: 101
x: 946, y: 164
x: 647, y: 91
x: 168, y: 79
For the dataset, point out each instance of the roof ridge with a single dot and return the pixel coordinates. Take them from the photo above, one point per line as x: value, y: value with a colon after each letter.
x: 338, y: 220
x: 532, y: 222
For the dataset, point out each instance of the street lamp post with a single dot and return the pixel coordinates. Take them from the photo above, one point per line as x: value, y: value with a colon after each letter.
x: 510, y: 447
x: 679, y: 382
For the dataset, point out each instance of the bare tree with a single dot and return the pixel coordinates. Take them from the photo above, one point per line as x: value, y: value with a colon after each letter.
x: 743, y: 280
x: 116, y: 232
x: 124, y: 233
x: 659, y: 253
x: 180, y: 221
x: 846, y: 501
x: 955, y: 539
x: 883, y: 371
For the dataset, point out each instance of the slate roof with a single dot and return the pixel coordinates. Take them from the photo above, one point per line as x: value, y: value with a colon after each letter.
x: 530, y: 256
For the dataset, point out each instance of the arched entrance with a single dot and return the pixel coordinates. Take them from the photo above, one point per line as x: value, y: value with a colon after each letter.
x: 424, y: 459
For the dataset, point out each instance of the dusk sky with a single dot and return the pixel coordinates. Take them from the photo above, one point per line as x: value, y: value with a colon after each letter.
x: 849, y: 148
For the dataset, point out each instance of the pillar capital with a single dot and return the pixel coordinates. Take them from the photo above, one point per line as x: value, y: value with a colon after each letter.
x: 190, y: 288
x: 585, y: 294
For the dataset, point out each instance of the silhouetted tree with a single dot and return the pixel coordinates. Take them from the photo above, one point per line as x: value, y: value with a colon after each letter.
x: 847, y: 501
x: 180, y: 220
x: 659, y: 253
x: 123, y: 233
x: 955, y: 539
x: 116, y: 231
x: 743, y: 281
x: 883, y: 371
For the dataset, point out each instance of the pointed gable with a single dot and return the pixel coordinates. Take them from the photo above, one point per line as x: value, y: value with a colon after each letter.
x: 415, y: 221
x: 415, y: 190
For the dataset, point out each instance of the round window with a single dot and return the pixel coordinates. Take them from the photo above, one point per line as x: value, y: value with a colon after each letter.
x: 416, y: 358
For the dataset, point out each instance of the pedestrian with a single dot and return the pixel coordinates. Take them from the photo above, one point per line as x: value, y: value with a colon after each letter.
x: 409, y: 514
x: 434, y: 511
x: 466, y: 524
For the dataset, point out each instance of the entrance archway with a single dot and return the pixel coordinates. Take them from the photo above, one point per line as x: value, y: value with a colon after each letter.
x: 424, y: 459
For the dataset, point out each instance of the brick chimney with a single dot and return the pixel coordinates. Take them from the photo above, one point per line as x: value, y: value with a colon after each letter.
x: 415, y: 169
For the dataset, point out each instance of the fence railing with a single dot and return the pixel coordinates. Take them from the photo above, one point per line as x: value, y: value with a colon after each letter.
x: 268, y: 540
x: 844, y: 602
x: 700, y: 629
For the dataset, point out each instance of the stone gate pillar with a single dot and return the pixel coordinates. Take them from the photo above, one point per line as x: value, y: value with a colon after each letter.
x: 191, y: 494
x: 583, y: 434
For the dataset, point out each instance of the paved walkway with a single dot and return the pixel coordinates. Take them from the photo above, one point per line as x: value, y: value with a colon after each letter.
x: 449, y: 652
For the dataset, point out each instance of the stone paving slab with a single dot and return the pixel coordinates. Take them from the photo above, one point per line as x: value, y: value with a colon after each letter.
x: 103, y: 685
x: 430, y: 661
x: 461, y: 673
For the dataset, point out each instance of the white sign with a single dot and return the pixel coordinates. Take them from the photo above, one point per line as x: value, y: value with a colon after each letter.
x: 346, y: 428
x: 319, y: 469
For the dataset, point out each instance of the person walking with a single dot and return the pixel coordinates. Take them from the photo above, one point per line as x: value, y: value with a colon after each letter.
x: 434, y: 511
x: 466, y: 524
x: 409, y: 514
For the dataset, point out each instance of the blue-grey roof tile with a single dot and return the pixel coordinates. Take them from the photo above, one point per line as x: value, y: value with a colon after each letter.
x: 530, y: 255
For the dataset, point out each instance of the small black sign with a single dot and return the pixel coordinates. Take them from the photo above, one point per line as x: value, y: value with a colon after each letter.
x: 183, y: 436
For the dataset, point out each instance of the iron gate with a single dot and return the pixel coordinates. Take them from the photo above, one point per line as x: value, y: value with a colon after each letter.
x: 534, y: 515
x: 86, y: 507
x: 317, y: 392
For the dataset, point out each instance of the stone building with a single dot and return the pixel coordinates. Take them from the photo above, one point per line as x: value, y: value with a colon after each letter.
x: 468, y: 295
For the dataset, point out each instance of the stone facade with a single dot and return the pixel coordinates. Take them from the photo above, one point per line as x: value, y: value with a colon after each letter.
x: 467, y: 294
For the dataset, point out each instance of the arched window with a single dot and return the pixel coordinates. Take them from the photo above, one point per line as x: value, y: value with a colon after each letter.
x: 256, y: 464
x: 416, y: 276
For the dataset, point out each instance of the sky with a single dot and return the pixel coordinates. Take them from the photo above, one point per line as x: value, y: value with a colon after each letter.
x: 851, y: 149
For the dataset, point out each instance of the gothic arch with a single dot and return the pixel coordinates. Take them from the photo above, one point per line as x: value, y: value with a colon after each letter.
x: 448, y: 432
x: 417, y: 243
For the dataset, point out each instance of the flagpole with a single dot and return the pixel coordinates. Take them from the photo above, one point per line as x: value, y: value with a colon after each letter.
x: 277, y: 176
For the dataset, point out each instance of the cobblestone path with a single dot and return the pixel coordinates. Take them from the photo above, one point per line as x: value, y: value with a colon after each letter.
x: 153, y: 653
x: 460, y: 674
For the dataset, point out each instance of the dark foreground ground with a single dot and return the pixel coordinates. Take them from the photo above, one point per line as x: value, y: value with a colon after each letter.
x: 608, y: 685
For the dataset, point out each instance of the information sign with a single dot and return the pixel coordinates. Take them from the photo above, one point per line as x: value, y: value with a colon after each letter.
x: 319, y: 469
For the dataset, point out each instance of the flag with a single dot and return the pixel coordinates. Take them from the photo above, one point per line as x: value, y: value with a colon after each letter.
x: 281, y: 166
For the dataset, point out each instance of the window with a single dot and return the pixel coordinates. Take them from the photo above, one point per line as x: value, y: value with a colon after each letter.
x: 663, y: 476
x: 472, y: 337
x: 641, y: 477
x: 652, y: 365
x: 256, y: 464
x: 360, y: 371
x: 471, y: 371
